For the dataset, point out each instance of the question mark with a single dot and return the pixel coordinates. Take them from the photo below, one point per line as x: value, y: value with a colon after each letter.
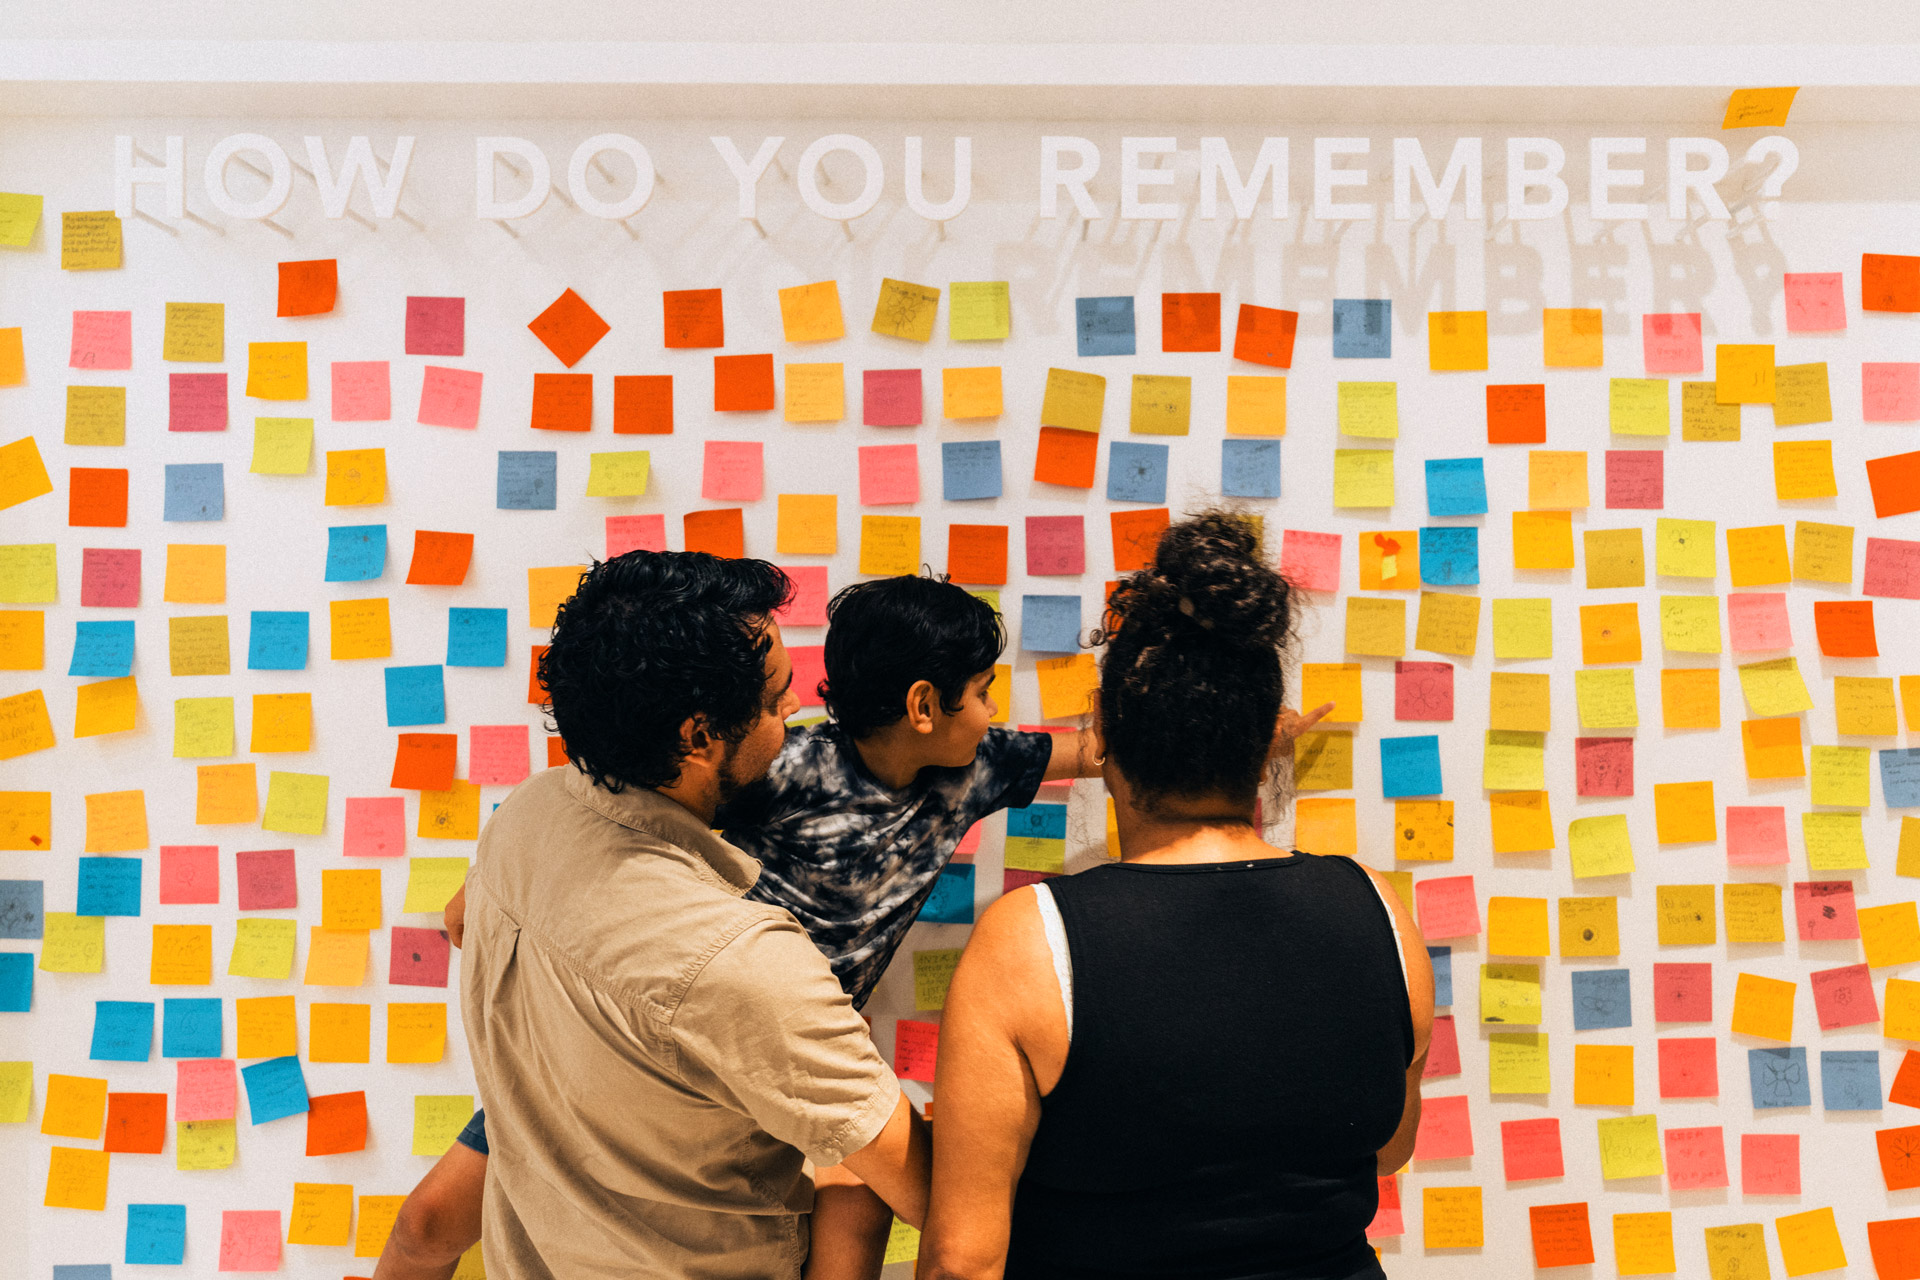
x: 1789, y: 157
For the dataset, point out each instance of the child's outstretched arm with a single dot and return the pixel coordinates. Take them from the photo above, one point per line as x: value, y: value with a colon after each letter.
x: 1076, y: 756
x: 850, y: 1228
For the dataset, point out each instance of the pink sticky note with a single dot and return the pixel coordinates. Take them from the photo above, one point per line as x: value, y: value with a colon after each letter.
x: 1769, y: 1164
x: 450, y: 397
x: 189, y: 874
x: 1446, y: 1132
x: 635, y: 533
x: 1443, y: 1049
x: 376, y: 827
x: 1823, y: 910
x: 732, y: 472
x: 1636, y: 479
x: 266, y: 879
x: 1388, y: 1220
x: 196, y: 402
x: 436, y: 326
x: 1843, y: 997
x: 969, y: 843
x: 250, y: 1240
x: 204, y: 1089
x: 915, y: 1047
x: 1689, y: 1068
x: 1014, y: 878
x: 1056, y: 545
x: 1889, y: 392
x: 1893, y: 569
x: 1446, y: 907
x: 110, y: 577
x: 1814, y: 302
x: 809, y: 669
x: 1696, y: 1158
x: 1756, y: 835
x: 1310, y: 561
x: 1423, y: 691
x: 418, y: 957
x: 101, y: 340
x: 1603, y: 766
x: 1531, y: 1149
x: 1758, y: 620
x: 890, y: 398
x: 889, y: 474
x: 1671, y: 342
x: 1682, y: 992
x: 808, y: 608
x: 498, y: 755
x: 361, y: 391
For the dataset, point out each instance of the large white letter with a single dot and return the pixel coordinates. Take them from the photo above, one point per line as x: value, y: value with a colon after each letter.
x: 171, y: 177
x: 1216, y: 166
x: 1410, y: 166
x: 1681, y: 179
x: 642, y: 176
x: 810, y: 176
x: 279, y: 179
x: 486, y: 201
x: 917, y: 181
x: 1602, y: 178
x: 747, y: 172
x: 1326, y: 177
x: 1053, y: 177
x: 1521, y: 179
x: 337, y: 192
x: 1133, y: 177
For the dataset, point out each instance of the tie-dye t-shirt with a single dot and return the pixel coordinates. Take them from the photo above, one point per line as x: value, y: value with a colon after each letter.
x: 854, y: 861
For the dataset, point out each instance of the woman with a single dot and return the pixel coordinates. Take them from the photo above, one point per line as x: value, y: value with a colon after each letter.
x: 1193, y: 1062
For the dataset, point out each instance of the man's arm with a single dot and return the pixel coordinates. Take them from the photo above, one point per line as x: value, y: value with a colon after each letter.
x: 1076, y: 756
x: 455, y: 918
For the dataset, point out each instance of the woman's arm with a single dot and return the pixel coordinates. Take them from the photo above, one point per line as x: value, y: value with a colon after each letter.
x: 1413, y: 951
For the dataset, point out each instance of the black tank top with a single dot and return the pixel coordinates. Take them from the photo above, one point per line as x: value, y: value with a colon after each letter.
x: 1240, y: 1044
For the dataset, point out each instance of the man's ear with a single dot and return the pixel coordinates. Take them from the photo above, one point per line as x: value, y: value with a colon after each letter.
x: 698, y: 740
x: 922, y: 697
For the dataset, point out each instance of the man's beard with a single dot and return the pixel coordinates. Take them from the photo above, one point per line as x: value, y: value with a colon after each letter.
x: 730, y: 783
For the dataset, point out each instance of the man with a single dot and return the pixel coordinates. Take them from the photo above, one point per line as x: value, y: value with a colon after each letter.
x: 656, y: 1054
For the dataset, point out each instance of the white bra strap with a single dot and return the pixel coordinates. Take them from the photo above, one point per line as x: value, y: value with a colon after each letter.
x: 1056, y: 931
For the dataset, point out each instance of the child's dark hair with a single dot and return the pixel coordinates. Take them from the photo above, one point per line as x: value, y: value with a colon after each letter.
x: 648, y: 640
x: 887, y: 634
x: 1191, y: 683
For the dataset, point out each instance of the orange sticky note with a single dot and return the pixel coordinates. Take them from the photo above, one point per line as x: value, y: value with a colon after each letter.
x: 1556, y: 480
x: 1763, y: 1007
x: 1325, y: 826
x: 743, y: 384
x: 643, y: 403
x: 440, y: 559
x: 562, y: 402
x: 1456, y: 340
x: 807, y: 524
x: 308, y: 288
x: 977, y: 554
x: 722, y: 533
x: 356, y: 477
x: 1066, y: 457
x: 811, y: 312
x: 76, y: 1178
x: 196, y: 574
x: 1610, y: 633
x: 97, y: 497
x: 1542, y: 540
x: 569, y: 328
x: 548, y: 589
x: 416, y: 1032
x: 1390, y: 561
x: 1603, y: 1075
x: 350, y: 898
x: 1757, y: 557
x: 1684, y: 813
x: 1136, y: 535
x: 1890, y: 934
x: 1570, y: 337
x: 226, y: 793
x: 182, y: 955
x: 1757, y: 109
x: 1772, y: 748
x: 1743, y: 373
x: 116, y: 821
x: 360, y: 629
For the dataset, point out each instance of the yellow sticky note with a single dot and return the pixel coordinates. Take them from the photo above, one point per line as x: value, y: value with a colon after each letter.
x: 19, y: 216
x: 90, y: 241
x: 1864, y: 705
x: 1810, y: 1242
x: 1690, y: 698
x: 416, y: 1032
x: 1758, y: 108
x: 1422, y: 830
x: 1772, y: 748
x: 1589, y: 927
x: 1522, y: 821
x: 282, y: 722
x: 1684, y: 813
x: 23, y: 639
x: 903, y: 1244
x: 339, y: 1032
x: 202, y: 727
x: 432, y: 882
x: 548, y: 588
x: 1456, y: 340
x: 27, y: 574
x: 1517, y: 1062
x: 1735, y: 1253
x: 811, y: 312
x: 1376, y: 627
x: 1800, y: 395
x: 1335, y: 682
x: 971, y: 393
x: 1256, y: 405
x: 23, y: 474
x: 1684, y: 548
x: 932, y: 975
x: 1839, y: 776
x: 1556, y: 480
x: 1073, y: 400
x: 196, y: 573
x: 1639, y: 407
x: 1363, y: 477
x: 195, y: 332
x: 1323, y: 760
x: 296, y: 803
x: 1570, y: 337
x: 1325, y: 825
x: 356, y: 477
x: 1448, y: 622
x: 1607, y: 698
x: 1630, y: 1147
x: 336, y: 957
x: 1610, y: 632
x: 1603, y: 1075
x: 1703, y: 417
x: 1510, y: 993
x: 1775, y: 687
x: 377, y: 1215
x: 1003, y: 688
x: 76, y: 1177
x: 979, y: 311
x: 106, y: 706
x: 453, y: 814
x: 1615, y: 559
x: 1523, y: 628
x: 1690, y: 624
x: 1686, y: 915
x: 1067, y: 685
x: 13, y: 357
x: 76, y: 1107
x: 1743, y: 373
x: 618, y: 475
x: 1515, y: 760
x: 1517, y: 927
x: 322, y: 1214
x: 73, y: 944
x: 16, y: 1092
x: 26, y: 821
x: 282, y: 446
x: 182, y: 955
x: 116, y: 821
x: 1764, y: 1006
x: 96, y: 416
x: 889, y: 545
x: 360, y: 629
x: 277, y: 370
x: 263, y: 948
x: 815, y: 393
x: 1910, y: 699
x: 1907, y: 853
x: 204, y: 1144
x: 903, y: 310
x: 1369, y: 409
x: 1600, y: 846
x: 1822, y: 552
x: 1753, y: 913
x: 1890, y: 934
x: 198, y: 646
x: 1162, y: 405
x: 1450, y: 1218
x: 437, y: 1121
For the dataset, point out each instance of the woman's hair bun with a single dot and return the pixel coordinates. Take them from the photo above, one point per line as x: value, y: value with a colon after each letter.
x: 1207, y: 574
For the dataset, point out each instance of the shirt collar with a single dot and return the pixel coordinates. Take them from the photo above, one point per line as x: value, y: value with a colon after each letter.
x: 645, y: 810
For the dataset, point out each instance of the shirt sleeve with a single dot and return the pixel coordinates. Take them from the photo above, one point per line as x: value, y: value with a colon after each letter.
x: 1008, y: 770
x: 767, y: 1030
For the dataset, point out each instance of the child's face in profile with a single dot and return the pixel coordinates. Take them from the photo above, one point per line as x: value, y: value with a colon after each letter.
x: 956, y: 735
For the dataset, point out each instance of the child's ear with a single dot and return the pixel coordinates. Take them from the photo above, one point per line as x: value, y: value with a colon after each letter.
x: 922, y: 698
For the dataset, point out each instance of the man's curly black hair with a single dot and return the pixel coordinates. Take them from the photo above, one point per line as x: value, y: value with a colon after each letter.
x: 648, y: 640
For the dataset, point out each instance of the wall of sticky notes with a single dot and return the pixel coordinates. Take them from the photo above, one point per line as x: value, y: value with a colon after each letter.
x: 1608, y: 541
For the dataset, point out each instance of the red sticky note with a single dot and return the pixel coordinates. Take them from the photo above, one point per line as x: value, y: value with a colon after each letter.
x: 915, y: 1046
x: 1844, y: 628
x: 1843, y: 997
x: 693, y: 318
x: 1682, y: 992
x: 569, y: 328
x: 1531, y: 1149
x: 1387, y: 1217
x: 635, y: 533
x: 1670, y: 342
x: 110, y: 577
x: 732, y: 471
x: 1561, y: 1235
x: 1446, y: 1133
x: 969, y: 843
x: 362, y: 391
x: 449, y: 397
x: 1423, y: 691
x: 1265, y: 336
x: 890, y: 398
x: 1889, y: 392
x: 308, y: 288
x: 376, y: 826
x: 1895, y: 481
x: 1895, y: 1243
x: 1443, y: 1048
x: 1814, y: 302
x: 1310, y: 561
x: 189, y: 874
x: 977, y: 554
x: 809, y: 670
x: 440, y: 559
x: 97, y: 497
x: 808, y: 607
x: 1756, y: 835
x: 1906, y: 1081
x: 1636, y: 479
x: 250, y: 1240
x: 643, y: 404
x: 1189, y: 322
x: 336, y: 1123
x: 562, y: 402
x: 101, y: 340
x: 1603, y: 766
x: 1066, y: 457
x: 1689, y: 1068
x: 720, y: 533
x: 1446, y: 907
x: 1056, y: 545
x: 1893, y: 569
x: 1696, y: 1158
x: 1757, y: 620
x: 136, y: 1123
x: 1899, y: 1156
x: 196, y: 402
x: 889, y: 475
x: 498, y: 755
x: 1823, y: 909
x: 424, y: 762
x: 205, y: 1089
x: 743, y: 384
x: 436, y: 326
x: 1517, y: 414
x: 266, y: 880
x: 1136, y: 536
x: 1889, y: 282
x: 418, y: 957
x: 1770, y: 1164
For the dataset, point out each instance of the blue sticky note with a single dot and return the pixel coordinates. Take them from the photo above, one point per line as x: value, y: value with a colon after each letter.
x: 356, y: 552
x: 1362, y: 328
x: 1250, y: 468
x: 16, y: 981
x: 122, y: 1031
x: 191, y: 1029
x: 277, y: 641
x: 1779, y: 1078
x: 1602, y: 999
x: 1850, y: 1079
x: 82, y: 1271
x: 1050, y: 624
x: 1442, y: 960
x: 275, y: 1088
x: 416, y: 695
x: 1136, y: 472
x: 195, y: 491
x: 102, y: 649
x: 969, y: 469
x: 1900, y: 777
x: 1037, y: 822
x: 23, y: 909
x: 1410, y: 766
x: 1456, y: 487
x: 1104, y: 326
x: 157, y: 1234
x: 476, y: 637
x: 109, y: 887
x: 1450, y: 555
x: 528, y: 480
x: 951, y: 901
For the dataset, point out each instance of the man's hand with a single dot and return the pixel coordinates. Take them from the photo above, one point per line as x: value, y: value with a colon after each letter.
x: 455, y: 919
x: 1292, y: 724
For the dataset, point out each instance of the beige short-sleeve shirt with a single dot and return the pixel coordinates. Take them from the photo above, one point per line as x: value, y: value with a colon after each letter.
x: 656, y: 1054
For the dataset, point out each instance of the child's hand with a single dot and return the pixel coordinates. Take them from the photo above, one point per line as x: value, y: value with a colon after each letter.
x: 1292, y: 724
